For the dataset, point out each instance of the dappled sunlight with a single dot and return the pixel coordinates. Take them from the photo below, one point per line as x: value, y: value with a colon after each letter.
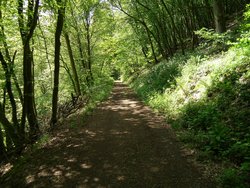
x: 86, y: 166
x: 121, y: 178
x: 124, y: 144
x: 90, y: 133
x: 117, y: 132
x: 5, y: 168
x: 127, y: 101
x: 72, y: 160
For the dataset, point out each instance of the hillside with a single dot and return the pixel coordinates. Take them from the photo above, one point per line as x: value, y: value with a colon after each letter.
x: 205, y: 96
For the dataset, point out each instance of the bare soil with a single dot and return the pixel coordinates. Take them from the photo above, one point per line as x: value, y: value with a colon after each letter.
x: 121, y: 144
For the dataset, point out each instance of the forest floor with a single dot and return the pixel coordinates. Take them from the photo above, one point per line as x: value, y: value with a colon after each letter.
x: 121, y: 144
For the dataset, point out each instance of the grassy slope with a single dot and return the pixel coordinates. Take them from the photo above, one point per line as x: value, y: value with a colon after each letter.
x: 208, y: 98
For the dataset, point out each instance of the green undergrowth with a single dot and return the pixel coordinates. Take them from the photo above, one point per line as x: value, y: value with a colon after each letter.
x: 207, y: 99
x: 101, y: 90
x: 98, y: 92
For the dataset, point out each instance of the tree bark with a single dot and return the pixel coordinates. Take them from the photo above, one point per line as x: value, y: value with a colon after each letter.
x: 2, y: 146
x: 14, y: 77
x: 29, y: 109
x: 59, y: 27
x: 219, y: 18
x: 89, y: 58
x: 12, y: 136
x: 9, y: 90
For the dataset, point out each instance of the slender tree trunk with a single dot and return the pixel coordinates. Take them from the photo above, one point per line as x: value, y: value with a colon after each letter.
x: 2, y: 146
x: 193, y: 22
x: 4, y: 100
x: 14, y: 77
x: 80, y: 49
x: 89, y: 58
x: 72, y: 63
x: 78, y: 35
x: 150, y: 41
x: 145, y: 54
x: 9, y: 90
x: 219, y: 18
x: 59, y: 27
x: 159, y: 44
x: 10, y: 61
x: 65, y: 66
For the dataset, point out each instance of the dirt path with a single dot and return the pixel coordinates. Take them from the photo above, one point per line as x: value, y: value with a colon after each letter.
x: 122, y: 144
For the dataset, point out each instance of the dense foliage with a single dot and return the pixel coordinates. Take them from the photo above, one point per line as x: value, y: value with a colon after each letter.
x: 207, y: 98
x: 186, y: 58
x: 50, y: 49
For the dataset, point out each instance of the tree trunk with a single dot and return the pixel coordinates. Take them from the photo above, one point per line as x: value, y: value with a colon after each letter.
x: 89, y: 61
x: 2, y: 146
x: 78, y: 35
x: 219, y: 18
x: 73, y: 66
x: 66, y: 68
x: 150, y: 41
x: 29, y: 103
x: 9, y: 90
x: 12, y: 136
x: 14, y: 77
x: 59, y: 27
x: 27, y: 32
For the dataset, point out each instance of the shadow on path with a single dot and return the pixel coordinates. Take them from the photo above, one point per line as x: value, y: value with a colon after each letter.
x: 122, y: 144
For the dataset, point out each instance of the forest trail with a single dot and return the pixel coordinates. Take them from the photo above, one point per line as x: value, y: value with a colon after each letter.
x: 122, y: 144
